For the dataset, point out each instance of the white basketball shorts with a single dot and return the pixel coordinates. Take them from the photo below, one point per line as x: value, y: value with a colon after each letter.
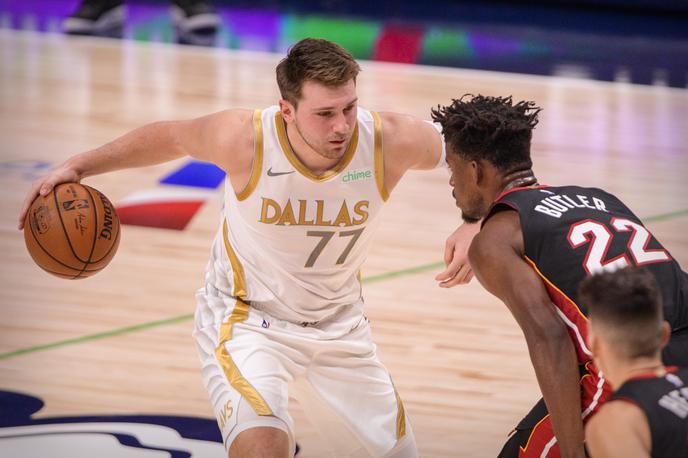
x: 252, y: 362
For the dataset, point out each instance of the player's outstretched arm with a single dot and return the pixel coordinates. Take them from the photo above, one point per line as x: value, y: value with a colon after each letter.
x: 496, y: 258
x: 618, y: 430
x: 214, y: 138
x: 409, y: 143
x: 414, y: 144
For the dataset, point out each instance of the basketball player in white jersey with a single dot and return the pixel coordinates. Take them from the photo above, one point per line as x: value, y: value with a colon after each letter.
x: 281, y: 311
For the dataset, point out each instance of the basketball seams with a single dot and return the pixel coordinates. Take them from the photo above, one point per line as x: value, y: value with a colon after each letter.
x: 40, y: 245
x: 115, y: 244
x: 64, y: 228
x: 95, y: 230
x: 48, y: 248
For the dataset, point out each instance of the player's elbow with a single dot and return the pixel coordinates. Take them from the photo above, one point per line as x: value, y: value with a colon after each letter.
x: 550, y: 333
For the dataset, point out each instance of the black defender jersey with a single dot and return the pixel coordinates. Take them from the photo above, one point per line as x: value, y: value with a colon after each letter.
x: 570, y: 232
x: 664, y: 401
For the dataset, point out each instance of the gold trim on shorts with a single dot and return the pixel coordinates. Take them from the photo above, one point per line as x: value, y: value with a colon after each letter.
x: 236, y: 380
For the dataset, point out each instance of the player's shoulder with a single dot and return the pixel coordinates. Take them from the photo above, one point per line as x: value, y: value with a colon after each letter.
x: 410, y: 142
x: 227, y: 123
x: 233, y: 117
x: 501, y: 231
x: 230, y: 135
x: 403, y: 129
x: 617, y: 417
x: 617, y: 428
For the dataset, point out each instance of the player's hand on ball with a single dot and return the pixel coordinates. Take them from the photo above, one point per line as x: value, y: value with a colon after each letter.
x: 43, y: 186
x: 458, y: 271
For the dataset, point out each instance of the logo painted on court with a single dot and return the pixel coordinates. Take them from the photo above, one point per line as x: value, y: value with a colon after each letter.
x: 111, y: 435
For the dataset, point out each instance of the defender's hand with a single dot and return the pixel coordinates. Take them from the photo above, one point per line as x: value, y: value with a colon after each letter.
x: 44, y: 186
x: 458, y: 271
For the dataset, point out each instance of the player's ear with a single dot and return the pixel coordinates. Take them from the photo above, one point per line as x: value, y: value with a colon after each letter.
x: 666, y: 333
x: 474, y: 171
x: 288, y: 110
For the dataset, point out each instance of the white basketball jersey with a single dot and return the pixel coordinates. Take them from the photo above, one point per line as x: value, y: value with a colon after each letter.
x: 292, y: 242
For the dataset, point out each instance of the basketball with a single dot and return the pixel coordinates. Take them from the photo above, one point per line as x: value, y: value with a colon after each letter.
x: 73, y: 232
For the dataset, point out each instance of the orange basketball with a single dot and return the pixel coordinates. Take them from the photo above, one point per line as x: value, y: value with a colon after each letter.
x: 73, y: 232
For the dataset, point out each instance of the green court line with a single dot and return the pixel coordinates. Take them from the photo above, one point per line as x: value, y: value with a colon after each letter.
x: 666, y: 216
x: 186, y: 317
x: 189, y: 316
x: 100, y: 335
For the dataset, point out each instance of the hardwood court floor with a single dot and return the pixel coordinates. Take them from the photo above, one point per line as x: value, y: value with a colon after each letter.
x: 458, y: 359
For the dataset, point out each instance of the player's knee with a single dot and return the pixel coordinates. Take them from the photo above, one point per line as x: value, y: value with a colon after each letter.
x: 260, y: 442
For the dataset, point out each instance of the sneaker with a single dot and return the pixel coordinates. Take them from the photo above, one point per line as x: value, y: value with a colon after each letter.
x: 95, y: 17
x: 194, y: 16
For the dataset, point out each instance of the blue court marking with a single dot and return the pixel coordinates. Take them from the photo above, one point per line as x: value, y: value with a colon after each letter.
x: 196, y: 174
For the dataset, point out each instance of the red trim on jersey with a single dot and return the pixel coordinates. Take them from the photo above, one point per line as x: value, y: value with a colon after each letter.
x: 648, y: 237
x: 647, y: 375
x: 508, y: 191
x: 570, y: 310
x: 624, y: 399
x: 489, y: 213
x: 542, y: 433
x: 591, y: 239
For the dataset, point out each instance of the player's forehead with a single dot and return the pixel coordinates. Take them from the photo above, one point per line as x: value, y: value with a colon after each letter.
x: 318, y: 96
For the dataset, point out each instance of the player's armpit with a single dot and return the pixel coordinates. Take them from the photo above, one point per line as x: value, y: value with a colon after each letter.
x: 618, y: 430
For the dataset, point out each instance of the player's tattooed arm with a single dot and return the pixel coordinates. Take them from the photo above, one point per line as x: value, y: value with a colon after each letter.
x: 496, y: 256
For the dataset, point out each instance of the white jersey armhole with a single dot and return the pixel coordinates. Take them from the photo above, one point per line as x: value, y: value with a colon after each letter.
x: 442, y: 163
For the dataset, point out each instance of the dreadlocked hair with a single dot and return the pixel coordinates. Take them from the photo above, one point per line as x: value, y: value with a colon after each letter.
x: 489, y: 128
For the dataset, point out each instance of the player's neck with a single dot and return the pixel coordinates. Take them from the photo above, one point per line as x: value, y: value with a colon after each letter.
x: 622, y: 371
x: 518, y: 179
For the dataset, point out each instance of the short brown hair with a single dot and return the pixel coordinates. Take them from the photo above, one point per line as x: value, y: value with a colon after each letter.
x: 627, y: 306
x: 314, y: 59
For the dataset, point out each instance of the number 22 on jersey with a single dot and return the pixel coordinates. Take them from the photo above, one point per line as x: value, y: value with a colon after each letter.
x: 600, y: 239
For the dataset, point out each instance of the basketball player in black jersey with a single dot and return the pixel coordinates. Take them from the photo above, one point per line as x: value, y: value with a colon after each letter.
x: 536, y: 245
x: 647, y: 415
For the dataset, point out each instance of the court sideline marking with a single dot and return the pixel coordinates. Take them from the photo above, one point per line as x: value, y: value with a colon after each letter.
x: 189, y: 316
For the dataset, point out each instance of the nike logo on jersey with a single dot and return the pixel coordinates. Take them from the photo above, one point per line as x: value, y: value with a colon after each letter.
x: 276, y: 174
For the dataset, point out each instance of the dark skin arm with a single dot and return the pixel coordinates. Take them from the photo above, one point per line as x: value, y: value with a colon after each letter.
x: 496, y: 257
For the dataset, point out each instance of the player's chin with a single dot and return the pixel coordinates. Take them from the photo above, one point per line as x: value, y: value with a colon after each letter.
x: 335, y: 151
x: 470, y: 217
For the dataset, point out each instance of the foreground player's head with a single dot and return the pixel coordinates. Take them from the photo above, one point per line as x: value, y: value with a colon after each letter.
x: 625, y: 315
x: 315, y: 60
x: 317, y: 82
x: 488, y: 140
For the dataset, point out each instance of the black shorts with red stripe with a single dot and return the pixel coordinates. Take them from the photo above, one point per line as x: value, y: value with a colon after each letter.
x: 534, y: 436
